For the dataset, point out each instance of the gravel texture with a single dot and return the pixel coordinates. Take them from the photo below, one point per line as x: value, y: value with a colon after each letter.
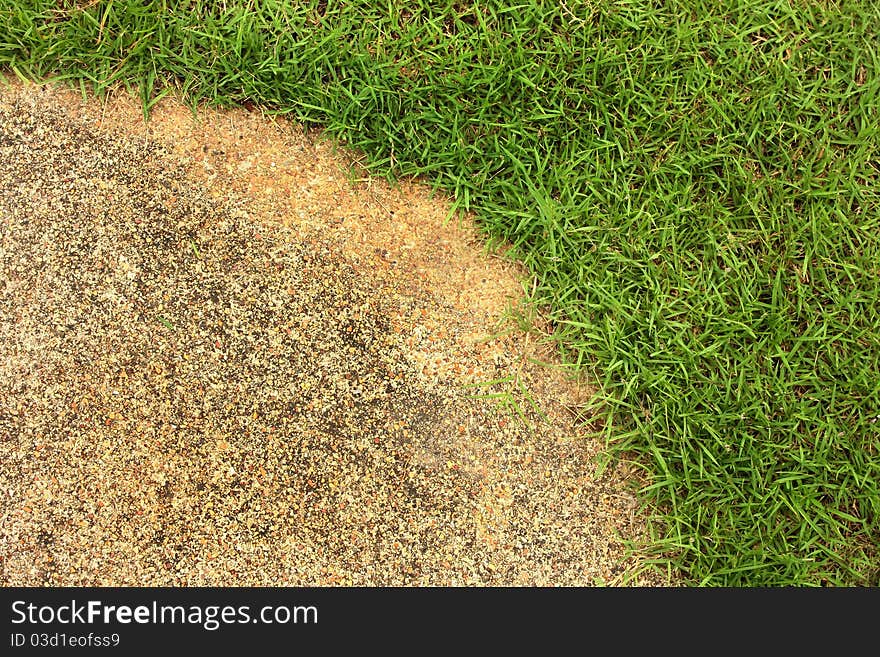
x: 194, y: 394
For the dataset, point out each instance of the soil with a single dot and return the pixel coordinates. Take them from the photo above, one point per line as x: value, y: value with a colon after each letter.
x: 228, y: 358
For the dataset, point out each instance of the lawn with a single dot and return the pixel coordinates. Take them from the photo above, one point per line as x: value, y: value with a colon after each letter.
x: 692, y: 184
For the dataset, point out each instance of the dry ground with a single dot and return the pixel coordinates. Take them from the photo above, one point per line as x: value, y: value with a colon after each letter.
x: 228, y: 359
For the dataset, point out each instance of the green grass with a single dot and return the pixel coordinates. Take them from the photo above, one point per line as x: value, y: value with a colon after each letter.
x: 693, y: 184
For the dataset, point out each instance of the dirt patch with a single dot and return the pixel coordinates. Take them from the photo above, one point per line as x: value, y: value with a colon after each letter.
x: 225, y: 360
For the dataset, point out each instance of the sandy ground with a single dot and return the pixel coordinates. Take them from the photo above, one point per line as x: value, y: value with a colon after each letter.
x: 227, y: 358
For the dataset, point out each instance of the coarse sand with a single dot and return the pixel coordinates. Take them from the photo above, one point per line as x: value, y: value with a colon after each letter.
x: 227, y: 358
